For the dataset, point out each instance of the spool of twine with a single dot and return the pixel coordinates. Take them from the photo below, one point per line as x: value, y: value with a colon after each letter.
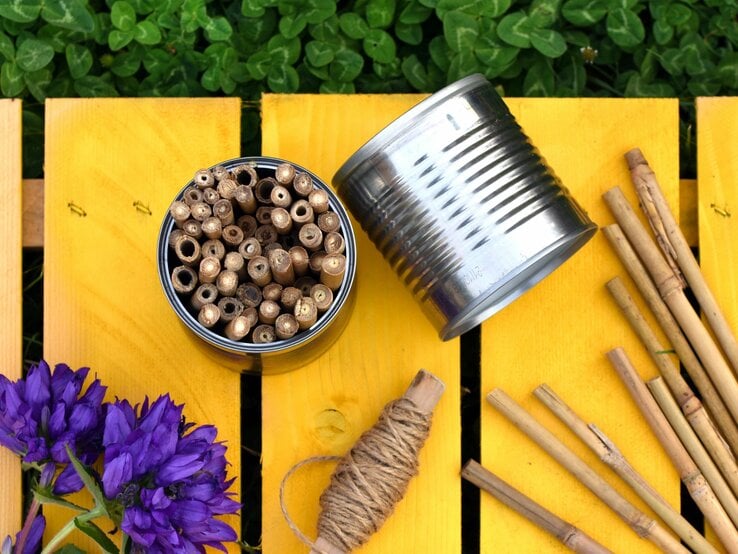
x: 374, y: 475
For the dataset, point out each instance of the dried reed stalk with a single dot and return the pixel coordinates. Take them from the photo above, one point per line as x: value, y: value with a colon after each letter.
x: 568, y: 534
x: 691, y: 442
x: 648, y: 189
x: 669, y: 325
x: 683, y: 395
x: 698, y: 487
x: 609, y: 453
x: 644, y: 526
x: 672, y: 293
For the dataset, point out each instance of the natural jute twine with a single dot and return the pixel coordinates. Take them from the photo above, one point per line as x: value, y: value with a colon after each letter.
x: 370, y: 479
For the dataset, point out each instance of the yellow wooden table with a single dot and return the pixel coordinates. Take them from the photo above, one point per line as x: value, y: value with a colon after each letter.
x: 104, y: 307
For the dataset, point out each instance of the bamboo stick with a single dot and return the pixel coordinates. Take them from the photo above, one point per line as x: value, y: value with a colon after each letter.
x: 672, y: 293
x: 644, y: 526
x: 645, y: 182
x: 684, y: 397
x: 698, y: 487
x: 609, y: 453
x: 668, y: 324
x: 568, y: 534
x: 691, y: 442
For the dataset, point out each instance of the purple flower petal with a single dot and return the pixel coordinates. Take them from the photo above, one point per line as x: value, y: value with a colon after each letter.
x: 68, y: 481
x: 33, y: 540
x: 117, y: 473
x: 117, y: 423
x: 178, y: 468
x: 38, y: 391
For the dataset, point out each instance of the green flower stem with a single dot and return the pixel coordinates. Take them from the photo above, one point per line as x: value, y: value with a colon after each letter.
x: 69, y: 527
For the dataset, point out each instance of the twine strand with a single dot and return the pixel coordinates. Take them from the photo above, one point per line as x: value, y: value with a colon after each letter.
x: 370, y: 479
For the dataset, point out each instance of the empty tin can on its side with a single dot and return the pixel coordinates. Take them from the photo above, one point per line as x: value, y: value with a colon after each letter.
x: 462, y: 205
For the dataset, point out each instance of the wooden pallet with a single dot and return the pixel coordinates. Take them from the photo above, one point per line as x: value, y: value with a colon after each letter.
x: 104, y: 307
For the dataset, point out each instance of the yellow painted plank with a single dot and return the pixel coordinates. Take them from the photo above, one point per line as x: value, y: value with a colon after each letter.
x: 103, y: 303
x: 717, y: 199
x: 559, y: 331
x: 11, y: 296
x: 324, y: 407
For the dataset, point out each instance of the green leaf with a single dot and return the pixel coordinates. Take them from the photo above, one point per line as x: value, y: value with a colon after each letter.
x: 319, y: 10
x: 337, y: 87
x: 548, y: 42
x: 319, y: 53
x: 292, y: 25
x: 126, y: 64
x: 515, y: 29
x: 380, y: 46
x: 69, y: 14
x: 495, y: 57
x: 46, y: 497
x: 11, y: 80
x: 325, y: 30
x: 662, y: 32
x: 283, y: 78
x: 440, y: 53
x: 252, y: 8
x: 346, y: 66
x: 583, y: 13
x: 494, y: 8
x: 672, y: 60
x: 119, y: 39
x: 415, y: 73
x: 461, y: 31
x: 728, y: 69
x: 123, y: 16
x: 96, y: 87
x: 84, y: 473
x: 7, y: 48
x: 573, y: 75
x: 284, y: 51
x: 96, y: 534
x: 539, y: 80
x: 380, y: 13
x: 463, y: 64
x: 217, y: 29
x: 210, y: 79
x: 543, y: 13
x: 258, y: 64
x: 22, y: 11
x: 414, y: 13
x: 34, y: 54
x: 353, y: 25
x: 678, y: 14
x: 69, y: 549
x: 470, y: 7
x: 625, y: 28
x: 147, y: 33
x: 79, y: 60
x: 704, y: 86
x: 409, y: 34
x: 638, y: 87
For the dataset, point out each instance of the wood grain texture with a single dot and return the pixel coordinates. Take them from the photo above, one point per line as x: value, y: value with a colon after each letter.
x: 324, y: 407
x: 103, y: 302
x: 559, y: 331
x: 717, y: 201
x: 11, y: 297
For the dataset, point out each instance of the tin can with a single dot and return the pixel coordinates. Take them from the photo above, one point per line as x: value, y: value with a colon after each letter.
x: 462, y: 205
x: 282, y: 355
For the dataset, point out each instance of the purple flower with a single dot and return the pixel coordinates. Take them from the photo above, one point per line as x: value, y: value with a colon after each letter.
x: 32, y: 542
x: 41, y: 414
x: 171, y: 485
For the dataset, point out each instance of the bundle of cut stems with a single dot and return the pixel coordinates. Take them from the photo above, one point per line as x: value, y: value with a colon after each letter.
x: 609, y: 453
x: 643, y: 525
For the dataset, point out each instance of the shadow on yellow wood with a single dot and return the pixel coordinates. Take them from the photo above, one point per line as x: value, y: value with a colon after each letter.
x: 103, y: 304
x: 11, y: 297
x: 559, y: 331
x: 324, y: 407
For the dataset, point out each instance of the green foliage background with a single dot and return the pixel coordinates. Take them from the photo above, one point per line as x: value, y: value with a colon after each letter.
x: 63, y: 48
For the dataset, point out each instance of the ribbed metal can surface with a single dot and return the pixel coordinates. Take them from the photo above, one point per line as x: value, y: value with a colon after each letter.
x: 462, y: 205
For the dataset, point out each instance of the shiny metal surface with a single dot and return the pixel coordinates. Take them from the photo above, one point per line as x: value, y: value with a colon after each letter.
x: 462, y: 205
x: 282, y: 355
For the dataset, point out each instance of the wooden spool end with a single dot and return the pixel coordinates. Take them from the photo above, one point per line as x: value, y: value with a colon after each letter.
x: 425, y: 390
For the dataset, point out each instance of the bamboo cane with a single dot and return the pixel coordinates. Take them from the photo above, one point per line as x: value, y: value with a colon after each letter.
x: 672, y: 293
x: 646, y: 184
x: 669, y: 325
x: 568, y: 534
x: 698, y: 487
x: 691, y: 442
x: 683, y: 395
x: 644, y: 526
x: 609, y: 453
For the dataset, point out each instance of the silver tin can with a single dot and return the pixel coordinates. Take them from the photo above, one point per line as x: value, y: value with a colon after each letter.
x: 462, y: 205
x: 282, y: 355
